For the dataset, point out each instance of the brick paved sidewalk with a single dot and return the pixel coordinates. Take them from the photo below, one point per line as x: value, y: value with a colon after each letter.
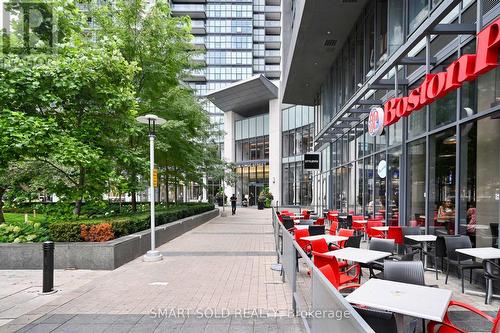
x: 215, y: 278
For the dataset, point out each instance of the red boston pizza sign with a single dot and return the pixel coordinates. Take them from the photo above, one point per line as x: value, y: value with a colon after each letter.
x: 466, y: 68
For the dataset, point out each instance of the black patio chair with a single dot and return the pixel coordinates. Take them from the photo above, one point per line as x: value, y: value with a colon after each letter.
x: 494, y: 234
x: 353, y: 241
x: 383, y: 321
x: 378, y: 244
x: 411, y: 245
x: 315, y: 230
x: 456, y: 259
x: 491, y: 273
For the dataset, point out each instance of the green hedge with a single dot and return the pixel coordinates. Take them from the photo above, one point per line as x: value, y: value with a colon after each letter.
x: 125, y: 225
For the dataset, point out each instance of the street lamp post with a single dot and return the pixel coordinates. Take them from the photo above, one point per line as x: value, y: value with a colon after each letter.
x: 152, y: 121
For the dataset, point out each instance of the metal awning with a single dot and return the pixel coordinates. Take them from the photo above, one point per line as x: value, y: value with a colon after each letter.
x: 246, y: 97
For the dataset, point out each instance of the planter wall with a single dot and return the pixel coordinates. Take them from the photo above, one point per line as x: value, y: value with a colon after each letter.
x: 98, y: 255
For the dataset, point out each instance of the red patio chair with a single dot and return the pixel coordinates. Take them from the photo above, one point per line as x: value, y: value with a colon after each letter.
x: 320, y: 260
x: 331, y: 217
x: 320, y: 221
x: 345, y: 233
x: 374, y: 233
x: 304, y: 245
x: 306, y: 214
x: 358, y: 226
x: 448, y: 327
x: 396, y: 233
x: 331, y: 276
x: 319, y: 245
x: 333, y: 228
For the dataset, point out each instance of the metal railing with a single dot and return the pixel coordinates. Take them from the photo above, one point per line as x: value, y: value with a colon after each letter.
x: 321, y: 307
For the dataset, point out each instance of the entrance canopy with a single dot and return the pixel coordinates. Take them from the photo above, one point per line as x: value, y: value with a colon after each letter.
x: 247, y: 97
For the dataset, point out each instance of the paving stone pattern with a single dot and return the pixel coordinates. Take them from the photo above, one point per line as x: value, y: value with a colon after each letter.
x: 215, y: 278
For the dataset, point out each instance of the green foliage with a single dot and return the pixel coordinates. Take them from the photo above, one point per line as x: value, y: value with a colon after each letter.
x: 266, y: 197
x: 125, y: 225
x: 67, y: 118
x: 17, y: 231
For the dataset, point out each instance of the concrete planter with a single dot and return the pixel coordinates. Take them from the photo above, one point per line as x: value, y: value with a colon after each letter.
x: 98, y: 255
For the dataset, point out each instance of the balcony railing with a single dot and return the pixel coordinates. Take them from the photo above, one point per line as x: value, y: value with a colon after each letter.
x: 273, y: 53
x: 198, y: 27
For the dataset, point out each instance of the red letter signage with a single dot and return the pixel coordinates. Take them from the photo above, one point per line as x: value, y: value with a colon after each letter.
x: 466, y: 68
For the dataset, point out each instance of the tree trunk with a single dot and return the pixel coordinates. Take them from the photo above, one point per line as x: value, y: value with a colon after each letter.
x: 134, y: 200
x: 78, y: 207
x: 175, y: 185
x: 81, y: 183
x: 2, y: 191
x: 166, y: 184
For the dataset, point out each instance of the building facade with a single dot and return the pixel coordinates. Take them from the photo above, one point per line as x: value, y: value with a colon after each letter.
x: 436, y: 162
x: 239, y: 39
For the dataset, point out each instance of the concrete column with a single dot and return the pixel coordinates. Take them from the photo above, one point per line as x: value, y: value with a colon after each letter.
x: 275, y: 144
x: 229, y: 137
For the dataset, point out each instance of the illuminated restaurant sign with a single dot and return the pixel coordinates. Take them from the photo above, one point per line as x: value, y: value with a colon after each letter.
x: 466, y: 68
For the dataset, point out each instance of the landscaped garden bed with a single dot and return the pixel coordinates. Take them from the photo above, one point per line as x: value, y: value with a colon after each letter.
x: 103, y: 223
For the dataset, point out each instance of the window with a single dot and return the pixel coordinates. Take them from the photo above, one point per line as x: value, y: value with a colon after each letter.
x: 416, y: 182
x: 393, y: 163
x: 381, y: 32
x: 396, y: 29
x: 479, y: 208
x: 442, y: 169
x: 417, y: 13
x: 444, y: 110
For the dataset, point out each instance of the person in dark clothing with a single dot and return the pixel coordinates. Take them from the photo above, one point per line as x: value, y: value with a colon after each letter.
x: 233, y: 203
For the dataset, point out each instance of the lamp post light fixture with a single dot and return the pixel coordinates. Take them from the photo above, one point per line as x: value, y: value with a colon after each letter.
x: 151, y: 120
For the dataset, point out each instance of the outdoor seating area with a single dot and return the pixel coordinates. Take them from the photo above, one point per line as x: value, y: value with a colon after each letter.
x: 398, y: 279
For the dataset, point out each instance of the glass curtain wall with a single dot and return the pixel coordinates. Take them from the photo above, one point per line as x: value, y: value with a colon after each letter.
x: 251, y: 157
x: 479, y: 207
x: 297, y: 139
x: 439, y: 168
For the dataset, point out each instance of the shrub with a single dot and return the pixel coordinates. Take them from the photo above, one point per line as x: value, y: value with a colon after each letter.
x: 21, y: 232
x: 101, y: 232
x: 71, y: 231
x: 65, y: 231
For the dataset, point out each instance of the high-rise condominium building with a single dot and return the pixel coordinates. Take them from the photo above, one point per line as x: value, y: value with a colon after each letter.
x: 241, y: 38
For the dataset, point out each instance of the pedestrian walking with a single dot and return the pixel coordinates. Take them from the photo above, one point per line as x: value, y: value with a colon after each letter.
x: 233, y: 203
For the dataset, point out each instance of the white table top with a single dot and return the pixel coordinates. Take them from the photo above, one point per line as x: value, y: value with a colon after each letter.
x: 360, y: 221
x: 301, y: 227
x: 481, y: 252
x: 328, y: 238
x: 386, y: 228
x: 422, y: 238
x: 407, y: 299
x: 358, y: 255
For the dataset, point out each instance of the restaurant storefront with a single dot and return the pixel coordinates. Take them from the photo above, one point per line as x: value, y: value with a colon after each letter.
x: 438, y: 164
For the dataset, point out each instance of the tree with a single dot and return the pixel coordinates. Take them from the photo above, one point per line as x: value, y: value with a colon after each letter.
x: 86, y: 92
x: 21, y: 136
x: 161, y: 45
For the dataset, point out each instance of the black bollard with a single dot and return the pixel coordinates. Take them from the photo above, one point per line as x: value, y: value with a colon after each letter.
x: 48, y: 267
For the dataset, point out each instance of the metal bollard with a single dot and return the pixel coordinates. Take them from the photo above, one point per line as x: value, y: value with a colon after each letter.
x: 48, y: 267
